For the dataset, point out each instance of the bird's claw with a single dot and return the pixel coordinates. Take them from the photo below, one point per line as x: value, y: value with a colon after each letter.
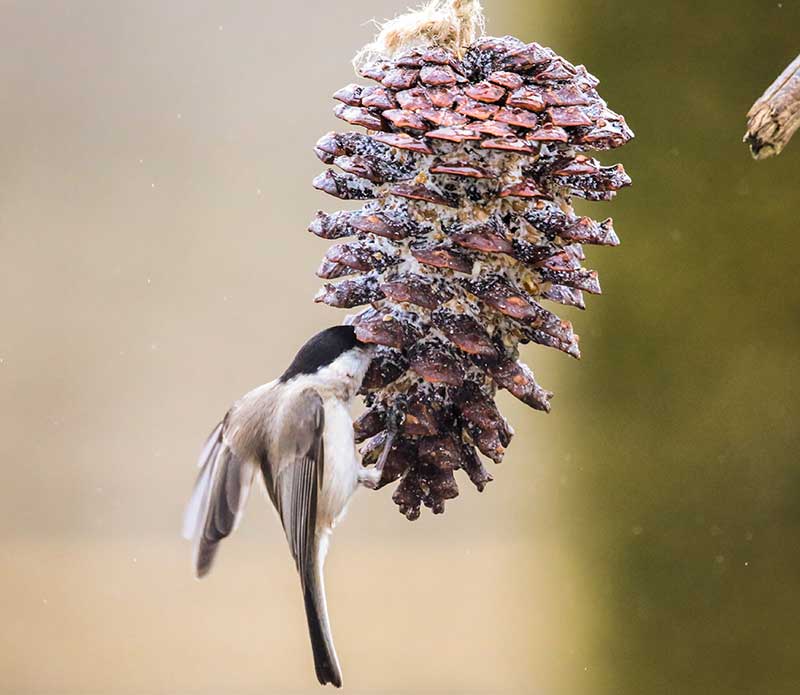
x: 370, y: 478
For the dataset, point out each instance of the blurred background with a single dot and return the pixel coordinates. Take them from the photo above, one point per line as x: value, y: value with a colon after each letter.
x: 644, y: 538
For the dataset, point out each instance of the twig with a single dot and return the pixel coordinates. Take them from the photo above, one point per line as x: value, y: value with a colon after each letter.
x: 775, y: 117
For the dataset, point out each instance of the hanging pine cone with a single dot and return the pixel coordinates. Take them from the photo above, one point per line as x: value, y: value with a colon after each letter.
x: 469, y: 165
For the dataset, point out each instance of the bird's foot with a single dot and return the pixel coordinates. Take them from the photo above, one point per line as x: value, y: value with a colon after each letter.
x: 370, y: 478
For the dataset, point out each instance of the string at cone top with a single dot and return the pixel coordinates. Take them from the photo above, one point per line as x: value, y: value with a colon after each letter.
x: 450, y: 24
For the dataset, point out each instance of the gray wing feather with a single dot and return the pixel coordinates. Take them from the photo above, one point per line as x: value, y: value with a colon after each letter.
x: 211, y: 442
x: 294, y: 479
x: 218, y: 500
x: 197, y: 503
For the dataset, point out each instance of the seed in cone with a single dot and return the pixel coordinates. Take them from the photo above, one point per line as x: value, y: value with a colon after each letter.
x: 469, y: 167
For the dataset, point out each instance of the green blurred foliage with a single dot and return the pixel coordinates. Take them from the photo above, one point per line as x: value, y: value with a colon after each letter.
x: 684, y: 478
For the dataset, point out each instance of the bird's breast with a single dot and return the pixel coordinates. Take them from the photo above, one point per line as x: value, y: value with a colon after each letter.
x: 340, y: 478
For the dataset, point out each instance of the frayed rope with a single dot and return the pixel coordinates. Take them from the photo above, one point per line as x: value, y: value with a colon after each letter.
x: 450, y: 24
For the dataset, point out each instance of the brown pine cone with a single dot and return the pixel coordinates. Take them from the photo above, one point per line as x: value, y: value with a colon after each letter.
x: 469, y: 166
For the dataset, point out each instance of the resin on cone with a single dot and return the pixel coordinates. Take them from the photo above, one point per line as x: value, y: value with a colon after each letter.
x: 466, y: 242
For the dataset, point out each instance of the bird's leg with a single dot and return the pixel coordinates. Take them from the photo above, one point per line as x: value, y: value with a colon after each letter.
x: 371, y: 478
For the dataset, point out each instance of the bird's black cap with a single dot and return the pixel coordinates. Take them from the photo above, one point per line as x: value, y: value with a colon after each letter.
x: 321, y: 350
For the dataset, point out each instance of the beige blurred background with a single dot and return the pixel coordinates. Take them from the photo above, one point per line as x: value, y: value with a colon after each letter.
x: 155, y: 167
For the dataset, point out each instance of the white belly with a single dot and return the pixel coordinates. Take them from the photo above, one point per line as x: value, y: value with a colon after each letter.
x: 340, y: 478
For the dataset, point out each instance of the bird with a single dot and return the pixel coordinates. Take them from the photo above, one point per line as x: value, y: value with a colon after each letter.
x: 297, y: 431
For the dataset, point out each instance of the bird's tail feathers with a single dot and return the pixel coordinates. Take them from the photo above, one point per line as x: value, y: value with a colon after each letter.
x: 326, y: 663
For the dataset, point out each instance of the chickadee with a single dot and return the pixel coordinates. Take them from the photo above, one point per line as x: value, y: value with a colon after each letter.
x: 298, y: 431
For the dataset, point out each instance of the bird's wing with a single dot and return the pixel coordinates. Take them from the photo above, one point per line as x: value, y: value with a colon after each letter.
x: 218, y: 499
x: 294, y: 477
